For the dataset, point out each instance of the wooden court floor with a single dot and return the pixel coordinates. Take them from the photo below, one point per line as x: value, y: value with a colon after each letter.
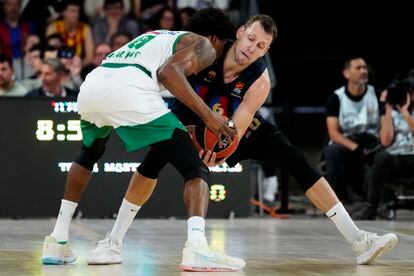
x: 296, y: 246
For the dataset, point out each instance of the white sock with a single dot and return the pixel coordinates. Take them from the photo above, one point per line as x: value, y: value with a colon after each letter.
x: 270, y: 188
x: 61, y: 230
x: 126, y: 215
x: 344, y: 223
x: 195, y: 229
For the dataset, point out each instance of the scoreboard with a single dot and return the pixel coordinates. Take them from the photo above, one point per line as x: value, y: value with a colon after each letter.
x: 40, y: 138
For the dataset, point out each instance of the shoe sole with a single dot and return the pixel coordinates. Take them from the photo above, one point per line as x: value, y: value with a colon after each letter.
x: 104, y: 263
x: 207, y: 269
x: 373, y: 255
x: 54, y: 261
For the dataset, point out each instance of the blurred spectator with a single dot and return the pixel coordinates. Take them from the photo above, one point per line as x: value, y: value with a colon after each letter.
x: 27, y: 69
x: 95, y: 8
x: 185, y: 14
x: 54, y: 40
x: 13, y: 33
x: 8, y: 87
x: 146, y: 9
x: 201, y: 4
x: 101, y: 51
x: 165, y: 19
x: 396, y: 134
x: 41, y: 13
x: 52, y: 74
x: 34, y: 59
x: 49, y: 52
x: 115, y: 20
x: 118, y: 40
x: 75, y: 33
x: 73, y: 65
x: 352, y: 121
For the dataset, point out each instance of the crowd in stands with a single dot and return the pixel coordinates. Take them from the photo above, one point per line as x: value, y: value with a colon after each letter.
x: 62, y: 41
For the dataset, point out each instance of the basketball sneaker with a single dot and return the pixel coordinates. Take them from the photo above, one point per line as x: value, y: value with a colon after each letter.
x: 55, y: 253
x: 370, y: 246
x: 107, y: 251
x: 199, y: 257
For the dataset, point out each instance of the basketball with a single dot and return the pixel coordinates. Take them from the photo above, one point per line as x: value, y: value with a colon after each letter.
x: 205, y: 139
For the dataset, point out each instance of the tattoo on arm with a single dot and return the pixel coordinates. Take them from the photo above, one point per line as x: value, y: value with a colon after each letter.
x: 204, y: 53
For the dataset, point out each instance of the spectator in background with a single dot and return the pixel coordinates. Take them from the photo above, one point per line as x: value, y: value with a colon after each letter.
x: 8, y: 87
x: 101, y: 51
x: 52, y: 74
x: 27, y: 69
x: 352, y: 118
x: 75, y: 33
x: 146, y: 9
x: 54, y: 40
x: 165, y: 19
x: 73, y: 65
x: 13, y: 34
x: 33, y: 59
x: 115, y: 20
x: 185, y: 14
x: 396, y: 134
x: 118, y: 40
x: 94, y: 9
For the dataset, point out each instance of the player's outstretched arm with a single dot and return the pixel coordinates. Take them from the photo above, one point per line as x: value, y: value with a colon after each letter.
x: 194, y: 53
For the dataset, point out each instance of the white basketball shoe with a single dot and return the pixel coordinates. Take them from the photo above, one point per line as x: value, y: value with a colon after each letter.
x: 370, y: 246
x: 107, y: 251
x: 55, y: 253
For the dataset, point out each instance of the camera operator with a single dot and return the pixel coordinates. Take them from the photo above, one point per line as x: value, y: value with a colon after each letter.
x: 352, y: 118
x: 396, y: 135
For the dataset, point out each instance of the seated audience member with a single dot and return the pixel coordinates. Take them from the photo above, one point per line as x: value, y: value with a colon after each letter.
x: 75, y: 33
x: 118, y: 40
x: 73, y: 65
x: 396, y: 135
x: 34, y: 60
x: 54, y: 40
x: 95, y: 8
x: 352, y: 118
x: 115, y: 20
x: 52, y: 74
x: 8, y: 87
x: 13, y: 34
x: 101, y: 51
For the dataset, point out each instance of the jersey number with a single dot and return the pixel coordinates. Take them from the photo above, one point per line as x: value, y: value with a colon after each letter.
x: 140, y: 41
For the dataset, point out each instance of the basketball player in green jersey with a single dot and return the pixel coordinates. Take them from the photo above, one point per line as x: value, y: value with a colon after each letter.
x: 124, y: 94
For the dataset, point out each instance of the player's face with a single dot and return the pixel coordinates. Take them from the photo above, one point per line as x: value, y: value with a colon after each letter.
x: 251, y: 44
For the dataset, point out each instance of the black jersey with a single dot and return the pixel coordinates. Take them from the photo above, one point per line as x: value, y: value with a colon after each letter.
x: 220, y: 97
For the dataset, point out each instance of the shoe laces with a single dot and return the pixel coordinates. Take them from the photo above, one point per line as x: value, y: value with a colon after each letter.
x: 367, y: 237
x: 107, y: 242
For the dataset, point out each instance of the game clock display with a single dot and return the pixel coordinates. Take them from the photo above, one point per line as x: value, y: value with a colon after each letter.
x: 41, y: 138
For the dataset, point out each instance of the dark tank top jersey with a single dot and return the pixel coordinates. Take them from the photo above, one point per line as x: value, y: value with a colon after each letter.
x: 220, y: 97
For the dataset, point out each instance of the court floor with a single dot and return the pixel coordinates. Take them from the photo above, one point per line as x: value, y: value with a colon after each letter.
x: 296, y: 246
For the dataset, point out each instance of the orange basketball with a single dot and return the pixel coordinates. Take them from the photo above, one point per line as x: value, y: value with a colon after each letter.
x: 205, y: 139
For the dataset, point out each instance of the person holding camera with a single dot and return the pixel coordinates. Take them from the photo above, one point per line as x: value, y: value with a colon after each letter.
x: 396, y: 134
x: 352, y: 118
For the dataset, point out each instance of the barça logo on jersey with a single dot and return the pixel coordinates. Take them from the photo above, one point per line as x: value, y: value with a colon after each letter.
x: 238, y: 89
x: 210, y: 76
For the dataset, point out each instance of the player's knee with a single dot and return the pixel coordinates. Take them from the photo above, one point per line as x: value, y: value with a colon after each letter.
x: 200, y: 171
x: 148, y: 171
x: 90, y: 155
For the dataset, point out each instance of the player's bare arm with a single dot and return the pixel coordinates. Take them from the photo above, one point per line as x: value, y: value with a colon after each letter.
x: 194, y: 53
x: 252, y: 101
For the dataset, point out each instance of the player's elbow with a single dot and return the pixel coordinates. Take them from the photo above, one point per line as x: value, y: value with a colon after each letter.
x: 162, y: 74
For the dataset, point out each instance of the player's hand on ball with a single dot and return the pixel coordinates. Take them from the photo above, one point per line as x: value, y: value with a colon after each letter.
x: 209, y: 158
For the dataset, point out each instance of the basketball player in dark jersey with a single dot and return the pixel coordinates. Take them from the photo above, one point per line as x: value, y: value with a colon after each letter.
x: 236, y: 86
